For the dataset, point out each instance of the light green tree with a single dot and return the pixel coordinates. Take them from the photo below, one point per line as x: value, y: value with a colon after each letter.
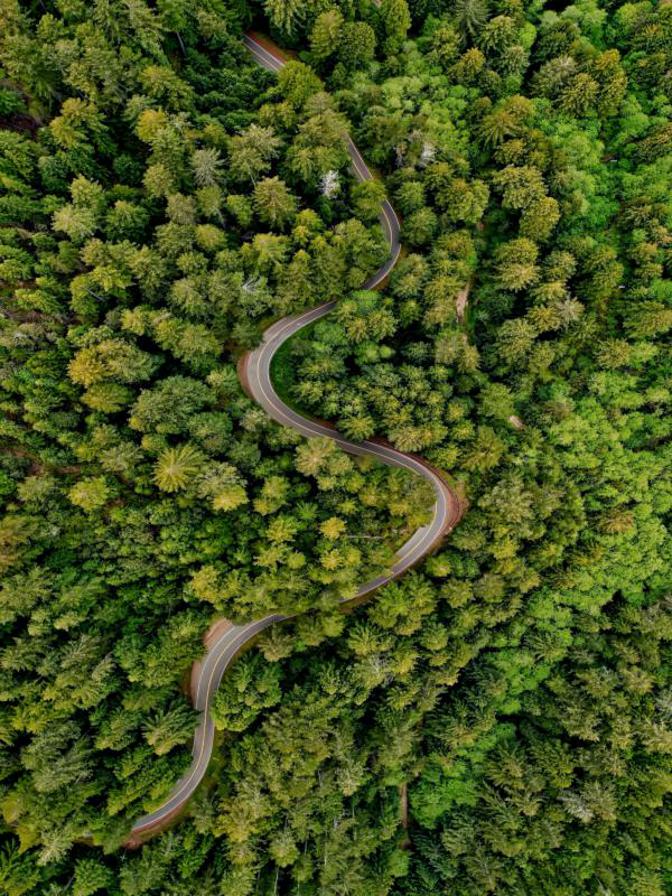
x: 274, y: 203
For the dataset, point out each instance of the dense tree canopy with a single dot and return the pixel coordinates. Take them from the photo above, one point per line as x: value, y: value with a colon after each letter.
x: 497, y: 721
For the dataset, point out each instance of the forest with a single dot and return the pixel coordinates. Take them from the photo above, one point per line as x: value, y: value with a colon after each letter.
x: 497, y: 720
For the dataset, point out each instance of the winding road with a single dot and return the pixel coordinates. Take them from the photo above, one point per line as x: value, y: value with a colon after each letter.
x: 254, y: 372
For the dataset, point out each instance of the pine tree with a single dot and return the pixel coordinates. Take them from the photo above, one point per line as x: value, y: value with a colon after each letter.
x: 273, y: 202
x: 91, y: 876
x: 325, y: 36
x: 396, y: 21
x: 177, y: 467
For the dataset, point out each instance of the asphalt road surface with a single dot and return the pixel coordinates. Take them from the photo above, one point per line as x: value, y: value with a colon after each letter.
x: 255, y: 375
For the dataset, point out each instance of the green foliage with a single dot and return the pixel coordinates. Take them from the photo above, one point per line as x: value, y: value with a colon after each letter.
x: 251, y: 687
x: 161, y: 200
x: 163, y: 213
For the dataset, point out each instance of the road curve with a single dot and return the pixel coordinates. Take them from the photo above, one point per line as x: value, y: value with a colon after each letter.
x: 255, y: 375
